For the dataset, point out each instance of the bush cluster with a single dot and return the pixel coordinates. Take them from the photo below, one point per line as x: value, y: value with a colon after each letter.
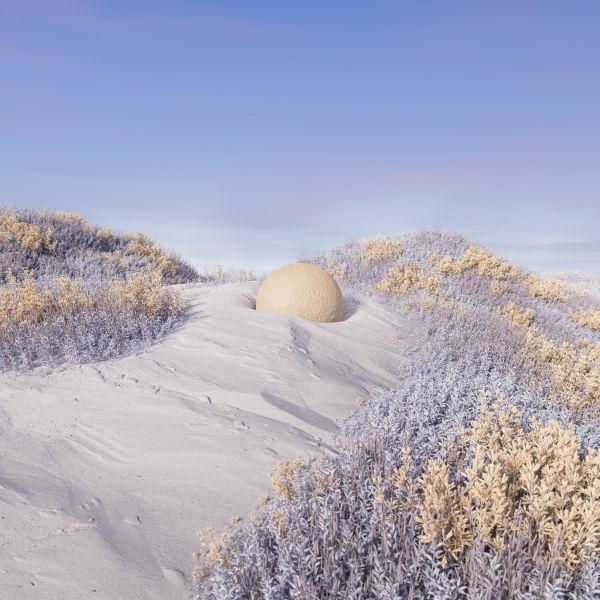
x: 430, y: 492
x: 71, y: 291
x: 50, y: 243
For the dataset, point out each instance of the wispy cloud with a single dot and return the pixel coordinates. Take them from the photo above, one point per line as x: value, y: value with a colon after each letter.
x: 76, y: 15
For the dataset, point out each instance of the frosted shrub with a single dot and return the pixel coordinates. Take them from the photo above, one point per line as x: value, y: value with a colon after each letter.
x: 57, y: 243
x: 77, y: 321
x: 587, y: 318
x: 374, y: 250
x: 220, y: 275
x: 520, y: 317
x: 72, y: 292
x: 533, y: 484
x: 28, y: 236
x: 550, y: 290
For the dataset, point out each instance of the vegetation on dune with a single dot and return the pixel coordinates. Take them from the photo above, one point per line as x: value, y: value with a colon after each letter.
x: 71, y: 291
x: 478, y: 477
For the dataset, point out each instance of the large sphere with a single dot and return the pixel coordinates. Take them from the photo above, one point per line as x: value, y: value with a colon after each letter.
x: 304, y: 290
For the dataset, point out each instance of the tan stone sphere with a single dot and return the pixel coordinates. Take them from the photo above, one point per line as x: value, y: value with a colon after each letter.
x: 304, y: 290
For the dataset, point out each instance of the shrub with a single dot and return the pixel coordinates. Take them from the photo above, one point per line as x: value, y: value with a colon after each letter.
x: 80, y: 320
x: 405, y: 278
x: 56, y: 244
x: 574, y: 368
x: 533, y: 484
x: 587, y: 318
x: 550, y: 290
x: 71, y: 291
x: 520, y: 317
x: 218, y: 275
x: 374, y: 250
x: 27, y: 235
x: 474, y: 257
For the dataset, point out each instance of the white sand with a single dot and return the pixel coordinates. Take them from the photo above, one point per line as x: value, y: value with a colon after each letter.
x: 108, y: 471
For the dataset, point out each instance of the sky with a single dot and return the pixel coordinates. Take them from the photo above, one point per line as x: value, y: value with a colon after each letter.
x: 250, y: 134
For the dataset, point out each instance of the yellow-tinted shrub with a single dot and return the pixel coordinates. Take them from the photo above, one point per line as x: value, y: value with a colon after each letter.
x: 26, y: 301
x: 106, y: 234
x: 285, y: 479
x: 533, y: 483
x: 487, y: 264
x: 23, y: 302
x: 574, y: 369
x: 25, y: 234
x: 219, y: 275
x: 374, y: 250
x: 339, y: 271
x: 499, y: 287
x: 116, y: 258
x: 144, y: 293
x: 217, y: 549
x: 520, y: 317
x: 69, y: 217
x: 550, y: 290
x: 71, y: 296
x: 590, y: 319
x: 103, y: 232
x: 404, y: 278
x: 145, y: 247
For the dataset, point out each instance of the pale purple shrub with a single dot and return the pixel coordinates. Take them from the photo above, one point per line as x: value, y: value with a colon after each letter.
x: 43, y: 247
x: 80, y: 249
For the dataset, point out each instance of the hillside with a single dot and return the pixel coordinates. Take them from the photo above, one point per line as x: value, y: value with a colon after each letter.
x: 443, y: 440
x: 475, y: 475
x: 72, y: 292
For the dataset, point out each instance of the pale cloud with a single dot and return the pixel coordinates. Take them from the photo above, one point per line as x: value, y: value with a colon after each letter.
x: 78, y: 15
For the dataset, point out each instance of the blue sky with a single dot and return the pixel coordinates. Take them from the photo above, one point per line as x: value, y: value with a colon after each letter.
x: 251, y: 133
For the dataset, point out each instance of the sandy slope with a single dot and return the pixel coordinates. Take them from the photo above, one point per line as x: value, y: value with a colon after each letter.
x: 107, y: 471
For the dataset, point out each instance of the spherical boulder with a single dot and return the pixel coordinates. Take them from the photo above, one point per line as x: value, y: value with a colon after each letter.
x: 304, y: 290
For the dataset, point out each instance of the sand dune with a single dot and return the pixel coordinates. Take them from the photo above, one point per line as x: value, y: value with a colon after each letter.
x: 108, y: 470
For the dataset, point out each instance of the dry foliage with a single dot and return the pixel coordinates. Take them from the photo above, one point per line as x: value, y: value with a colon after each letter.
x: 531, y: 483
x: 574, y: 369
x: 487, y: 264
x: 27, y: 302
x: 216, y: 548
x: 104, y: 233
x: 378, y: 249
x: 145, y: 247
x: 221, y: 275
x: 590, y: 319
x: 27, y: 235
x: 498, y: 287
x: 404, y: 278
x: 509, y: 509
x: 285, y: 479
x: 549, y: 290
x: 340, y: 272
x: 145, y: 294
x: 71, y: 291
x: 23, y: 302
x: 520, y: 317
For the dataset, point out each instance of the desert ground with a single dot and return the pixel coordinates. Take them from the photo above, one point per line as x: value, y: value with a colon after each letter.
x: 107, y: 470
